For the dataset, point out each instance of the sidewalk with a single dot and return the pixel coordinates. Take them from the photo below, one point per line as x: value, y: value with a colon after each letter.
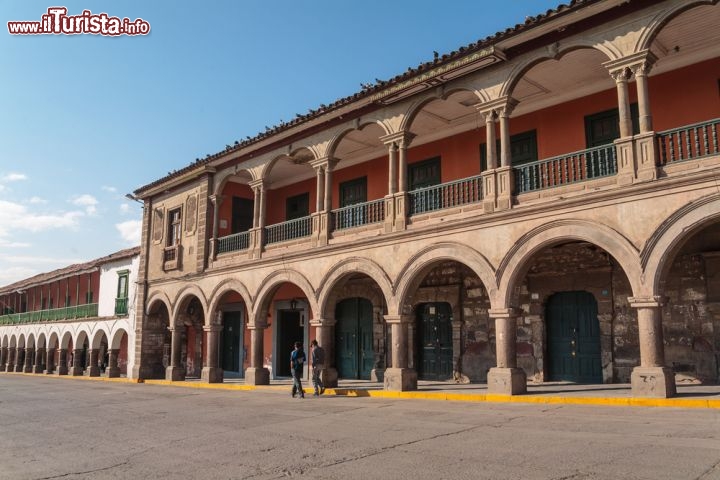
x: 689, y: 396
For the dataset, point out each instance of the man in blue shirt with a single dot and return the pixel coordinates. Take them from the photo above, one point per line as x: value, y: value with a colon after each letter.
x: 297, y: 359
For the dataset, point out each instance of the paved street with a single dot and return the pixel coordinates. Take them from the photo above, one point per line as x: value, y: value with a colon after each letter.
x: 61, y: 428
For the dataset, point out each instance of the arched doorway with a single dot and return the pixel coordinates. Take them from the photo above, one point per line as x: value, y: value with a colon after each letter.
x: 354, y: 352
x: 434, y: 341
x: 290, y: 327
x: 573, y: 338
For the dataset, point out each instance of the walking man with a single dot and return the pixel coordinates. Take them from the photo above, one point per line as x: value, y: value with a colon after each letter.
x: 317, y: 355
x: 297, y: 359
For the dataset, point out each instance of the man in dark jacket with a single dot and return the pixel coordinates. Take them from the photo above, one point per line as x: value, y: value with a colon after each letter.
x: 317, y: 355
x: 297, y: 359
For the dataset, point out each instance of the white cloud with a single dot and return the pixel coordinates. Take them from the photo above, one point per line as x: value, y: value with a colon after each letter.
x: 109, y: 189
x: 6, y: 244
x: 14, y: 216
x: 37, y: 201
x: 124, y: 208
x: 87, y: 201
x: 9, y: 275
x: 130, y: 231
x: 29, y: 259
x: 13, y: 177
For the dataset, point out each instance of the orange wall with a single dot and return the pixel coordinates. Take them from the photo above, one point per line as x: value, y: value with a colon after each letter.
x: 276, y: 199
x: 231, y: 189
x: 460, y: 154
x: 377, y: 178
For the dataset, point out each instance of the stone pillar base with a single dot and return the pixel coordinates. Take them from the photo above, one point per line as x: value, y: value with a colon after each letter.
x: 48, y: 372
x: 657, y: 382
x: 175, y: 374
x: 28, y: 369
x: 377, y: 375
x: 112, y: 372
x: 92, y: 371
x: 9, y: 368
x: 75, y: 371
x: 211, y: 375
x: 507, y: 381
x: 37, y: 369
x: 329, y: 377
x: 257, y: 376
x: 61, y: 371
x: 400, y: 379
x: 18, y: 368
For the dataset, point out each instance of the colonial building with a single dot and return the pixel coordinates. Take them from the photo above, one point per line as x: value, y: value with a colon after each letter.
x: 542, y: 205
x: 72, y: 321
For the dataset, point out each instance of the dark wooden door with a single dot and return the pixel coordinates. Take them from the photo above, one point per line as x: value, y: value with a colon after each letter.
x: 354, y: 338
x: 242, y: 214
x: 434, y: 321
x: 573, y: 338
x: 231, y: 341
x: 289, y: 332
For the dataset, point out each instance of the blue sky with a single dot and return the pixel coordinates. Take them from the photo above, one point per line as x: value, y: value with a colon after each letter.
x: 85, y: 119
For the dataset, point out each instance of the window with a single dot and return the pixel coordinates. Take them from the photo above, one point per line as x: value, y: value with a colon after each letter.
x: 174, y: 224
x: 353, y: 192
x: 604, y: 127
x: 523, y: 149
x: 121, y: 302
x: 242, y: 214
x: 297, y: 206
x: 424, y: 174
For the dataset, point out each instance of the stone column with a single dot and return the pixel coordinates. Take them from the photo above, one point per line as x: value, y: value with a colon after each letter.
x: 77, y: 369
x: 399, y: 377
x: 321, y: 222
x: 175, y: 372
x: 325, y: 335
x: 211, y: 372
x: 257, y: 234
x: 12, y: 356
x: 392, y: 182
x: 112, y: 370
x: 49, y: 361
x: 257, y: 374
x: 506, y: 378
x: 62, y: 362
x: 320, y: 188
x: 621, y: 83
x: 215, y: 201
x: 29, y: 358
x: 489, y: 176
x: 19, y: 359
x: 92, y: 369
x: 646, y: 155
x: 3, y: 358
x: 652, y: 378
x: 39, y: 358
x: 505, y: 178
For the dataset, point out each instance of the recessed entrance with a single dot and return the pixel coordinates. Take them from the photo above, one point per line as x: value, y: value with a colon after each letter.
x: 354, y: 338
x: 435, y: 350
x: 290, y: 329
x: 573, y: 338
x: 231, y: 356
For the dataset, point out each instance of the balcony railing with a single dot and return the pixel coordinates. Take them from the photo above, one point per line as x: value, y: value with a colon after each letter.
x: 290, y: 230
x: 51, y: 315
x: 121, y: 306
x: 566, y: 169
x: 446, y: 195
x: 689, y: 142
x: 359, y: 214
x: 234, y: 242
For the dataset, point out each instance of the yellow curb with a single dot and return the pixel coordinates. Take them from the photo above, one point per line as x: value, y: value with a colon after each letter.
x: 78, y: 377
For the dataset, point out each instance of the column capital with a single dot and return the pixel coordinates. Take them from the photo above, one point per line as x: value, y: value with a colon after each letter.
x: 622, y: 68
x: 257, y: 326
x: 323, y: 162
x: 216, y: 200
x: 512, y: 312
x: 652, y: 301
x: 212, y: 328
x: 398, y: 319
x: 322, y: 322
x: 500, y: 107
x: 401, y: 139
x: 258, y: 184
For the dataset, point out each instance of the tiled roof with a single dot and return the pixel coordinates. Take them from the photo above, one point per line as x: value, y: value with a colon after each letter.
x: 371, y: 89
x: 69, y: 270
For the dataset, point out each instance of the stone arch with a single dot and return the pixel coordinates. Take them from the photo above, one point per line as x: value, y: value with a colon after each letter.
x: 53, y: 340
x: 21, y: 341
x: 116, y: 338
x: 327, y: 298
x: 65, y: 340
x: 224, y: 176
x: 338, y: 137
x: 184, y: 296
x: 13, y: 341
x: 269, y: 286
x: 41, y: 340
x: 156, y: 297
x: 519, y: 70
x: 5, y: 341
x: 97, y: 338
x: 226, y: 286
x: 422, y: 262
x: 418, y: 105
x: 519, y: 258
x: 267, y: 168
x: 30, y: 340
x: 663, y: 18
x: 80, y: 337
x: 660, y: 250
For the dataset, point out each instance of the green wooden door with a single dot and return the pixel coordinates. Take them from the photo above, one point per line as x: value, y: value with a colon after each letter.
x: 573, y: 338
x: 435, y: 353
x: 231, y: 341
x: 354, y: 355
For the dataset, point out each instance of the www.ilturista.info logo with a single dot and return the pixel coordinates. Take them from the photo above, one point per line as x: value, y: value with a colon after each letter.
x: 58, y: 22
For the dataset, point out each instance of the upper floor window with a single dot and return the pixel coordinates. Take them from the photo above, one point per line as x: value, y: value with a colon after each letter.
x: 604, y: 127
x: 242, y: 214
x: 174, y: 224
x: 424, y: 174
x: 297, y: 206
x: 353, y: 192
x: 122, y: 289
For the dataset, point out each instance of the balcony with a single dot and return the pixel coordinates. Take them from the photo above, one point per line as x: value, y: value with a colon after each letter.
x: 233, y: 243
x: 446, y: 195
x: 121, y: 306
x: 290, y: 230
x: 51, y: 315
x: 359, y: 214
x: 689, y: 142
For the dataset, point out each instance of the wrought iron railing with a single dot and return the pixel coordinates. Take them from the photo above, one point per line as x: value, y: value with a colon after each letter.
x: 446, y: 195
x: 359, y: 214
x: 51, y: 315
x: 689, y: 142
x: 290, y: 230
x: 121, y: 306
x: 234, y: 242
x: 566, y: 169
